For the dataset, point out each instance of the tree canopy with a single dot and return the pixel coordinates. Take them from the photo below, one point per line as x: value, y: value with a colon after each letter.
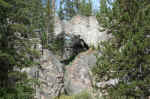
x: 126, y: 56
x: 18, y: 19
x: 70, y: 8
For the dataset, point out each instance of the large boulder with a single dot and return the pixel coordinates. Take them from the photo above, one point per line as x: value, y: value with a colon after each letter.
x: 78, y: 76
x: 50, y: 74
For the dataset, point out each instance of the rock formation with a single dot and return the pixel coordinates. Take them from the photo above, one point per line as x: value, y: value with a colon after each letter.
x: 55, y: 79
x: 71, y: 46
x: 78, y: 76
x: 50, y: 74
x: 87, y: 27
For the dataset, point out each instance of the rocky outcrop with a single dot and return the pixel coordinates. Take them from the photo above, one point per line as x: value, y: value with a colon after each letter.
x: 71, y: 46
x: 87, y: 27
x: 58, y: 26
x: 55, y: 79
x: 78, y: 76
x: 50, y: 74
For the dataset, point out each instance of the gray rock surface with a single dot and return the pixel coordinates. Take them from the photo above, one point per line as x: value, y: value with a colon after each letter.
x: 50, y: 74
x: 86, y: 27
x: 77, y: 76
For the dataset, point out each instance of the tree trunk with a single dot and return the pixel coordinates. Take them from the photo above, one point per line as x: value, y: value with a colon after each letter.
x: 53, y: 7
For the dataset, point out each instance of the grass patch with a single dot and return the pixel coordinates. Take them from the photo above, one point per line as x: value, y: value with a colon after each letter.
x: 82, y: 95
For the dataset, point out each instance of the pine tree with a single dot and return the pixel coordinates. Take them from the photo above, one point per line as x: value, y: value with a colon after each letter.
x: 47, y: 23
x: 67, y: 9
x: 77, y: 4
x: 85, y: 8
x: 126, y: 55
x: 103, y: 14
x: 16, y: 22
x: 61, y: 11
x: 70, y: 8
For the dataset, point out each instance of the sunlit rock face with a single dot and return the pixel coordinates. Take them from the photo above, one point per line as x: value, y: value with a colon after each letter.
x: 87, y: 27
x: 78, y: 76
x: 57, y: 25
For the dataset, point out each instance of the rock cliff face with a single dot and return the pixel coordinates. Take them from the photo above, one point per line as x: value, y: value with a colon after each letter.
x: 86, y: 27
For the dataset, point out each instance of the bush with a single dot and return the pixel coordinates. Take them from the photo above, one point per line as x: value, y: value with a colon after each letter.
x: 20, y: 91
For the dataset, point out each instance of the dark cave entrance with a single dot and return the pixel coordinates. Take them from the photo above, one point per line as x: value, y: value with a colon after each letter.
x: 73, y: 45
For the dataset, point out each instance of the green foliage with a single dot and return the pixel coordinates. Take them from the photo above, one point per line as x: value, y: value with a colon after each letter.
x: 85, y: 8
x: 126, y: 56
x: 70, y: 8
x: 44, y: 39
x: 61, y: 11
x: 104, y: 14
x: 67, y: 10
x: 82, y: 95
x: 18, y: 19
x: 4, y: 4
x: 57, y: 46
x: 20, y: 91
x: 47, y: 30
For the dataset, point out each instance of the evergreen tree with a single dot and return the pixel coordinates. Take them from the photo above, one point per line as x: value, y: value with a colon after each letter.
x: 67, y: 9
x: 47, y: 23
x: 126, y: 56
x: 103, y: 14
x: 17, y: 17
x: 77, y: 4
x: 103, y: 7
x: 70, y: 8
x: 61, y: 11
x: 85, y: 8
